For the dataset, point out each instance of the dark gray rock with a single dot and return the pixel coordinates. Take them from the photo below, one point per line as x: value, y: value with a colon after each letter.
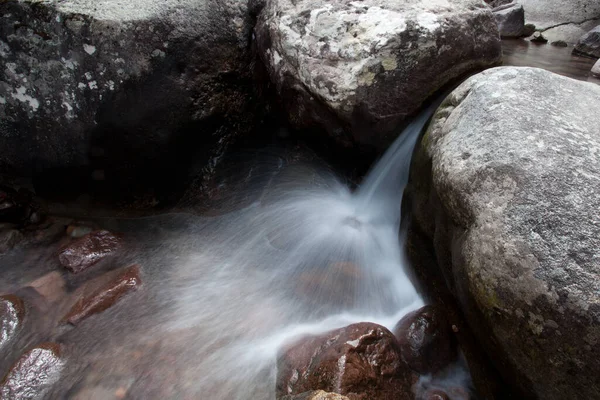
x: 510, y: 19
x: 596, y: 69
x: 315, y: 395
x: 528, y: 30
x: 505, y: 185
x: 538, y: 37
x: 589, y: 44
x: 358, y: 69
x: 121, y: 91
x: 560, y: 43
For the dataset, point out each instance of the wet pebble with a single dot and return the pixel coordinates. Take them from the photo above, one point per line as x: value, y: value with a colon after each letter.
x: 34, y: 373
x: 105, y: 296
x: 426, y: 340
x: 12, y: 312
x: 86, y: 251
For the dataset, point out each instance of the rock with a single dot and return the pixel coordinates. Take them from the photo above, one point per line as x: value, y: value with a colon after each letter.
x: 361, y: 361
x: 106, y: 296
x: 589, y: 44
x: 596, y: 69
x: 562, y: 20
x: 76, y: 231
x: 20, y: 207
x: 560, y: 43
x: 528, y: 30
x: 498, y: 3
x: 82, y: 253
x: 33, y: 374
x: 315, y: 395
x: 359, y: 69
x: 12, y: 312
x: 129, y: 89
x: 538, y: 37
x: 436, y: 394
x: 9, y: 239
x: 504, y: 186
x: 510, y: 19
x: 426, y: 340
x: 51, y: 286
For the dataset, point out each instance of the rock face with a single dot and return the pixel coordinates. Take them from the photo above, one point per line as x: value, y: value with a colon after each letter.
x: 589, y: 44
x: 505, y: 187
x: 120, y: 88
x: 562, y: 20
x: 33, y: 374
x: 358, y: 69
x: 82, y: 253
x: 510, y: 19
x: 426, y: 340
x: 12, y: 312
x: 106, y: 296
x: 596, y: 69
x: 361, y: 361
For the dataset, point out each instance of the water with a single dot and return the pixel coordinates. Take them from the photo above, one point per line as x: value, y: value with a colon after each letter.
x: 222, y: 294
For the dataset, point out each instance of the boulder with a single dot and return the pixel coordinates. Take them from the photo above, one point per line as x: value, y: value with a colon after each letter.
x: 596, y: 69
x: 359, y: 69
x: 361, y: 361
x: 589, y: 44
x: 33, y: 374
x: 426, y: 340
x: 88, y: 250
x: 504, y: 187
x: 126, y: 91
x: 538, y: 37
x: 562, y: 20
x: 510, y: 19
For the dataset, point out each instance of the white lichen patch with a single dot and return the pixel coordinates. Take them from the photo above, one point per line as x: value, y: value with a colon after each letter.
x: 353, y: 343
x: 93, y: 85
x: 88, y: 48
x: 2, y: 100
x: 21, y: 95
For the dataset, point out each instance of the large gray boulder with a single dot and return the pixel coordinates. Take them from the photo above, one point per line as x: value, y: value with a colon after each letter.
x: 562, y: 20
x: 121, y: 86
x: 510, y: 19
x: 505, y: 187
x: 589, y: 44
x: 358, y: 69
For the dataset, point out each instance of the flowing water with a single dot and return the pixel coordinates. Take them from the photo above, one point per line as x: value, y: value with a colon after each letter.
x: 222, y: 294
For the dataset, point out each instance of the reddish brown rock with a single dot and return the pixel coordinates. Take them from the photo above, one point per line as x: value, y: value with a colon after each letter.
x: 12, y: 312
x: 84, y: 252
x: 426, y: 340
x: 51, y: 286
x: 315, y: 395
x: 105, y: 296
x: 33, y: 374
x: 361, y: 361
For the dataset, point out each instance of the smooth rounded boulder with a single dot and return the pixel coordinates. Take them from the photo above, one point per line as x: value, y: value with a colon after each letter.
x: 359, y: 69
x: 505, y: 187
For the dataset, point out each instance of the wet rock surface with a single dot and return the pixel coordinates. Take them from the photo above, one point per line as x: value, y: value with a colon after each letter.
x: 510, y: 19
x: 426, y: 340
x: 589, y: 44
x: 34, y: 373
x: 82, y: 253
x: 12, y: 312
x: 354, y: 68
x: 513, y: 201
x: 315, y: 395
x: 361, y: 361
x: 104, y: 297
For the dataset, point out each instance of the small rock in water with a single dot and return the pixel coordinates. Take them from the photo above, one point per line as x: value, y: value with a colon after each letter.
x: 105, y: 296
x: 51, y: 286
x: 538, y: 38
x: 361, y: 361
x: 528, y: 30
x: 589, y: 44
x: 76, y: 231
x: 596, y: 69
x: 33, y: 374
x: 315, y: 395
x: 426, y: 340
x: 12, y: 312
x: 88, y: 250
x: 559, y: 43
x: 9, y: 239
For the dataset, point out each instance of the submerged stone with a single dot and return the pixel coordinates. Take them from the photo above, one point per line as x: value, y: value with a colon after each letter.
x: 82, y: 253
x: 105, y: 296
x: 426, y: 340
x: 315, y: 395
x: 360, y: 361
x: 33, y: 374
x: 12, y: 312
